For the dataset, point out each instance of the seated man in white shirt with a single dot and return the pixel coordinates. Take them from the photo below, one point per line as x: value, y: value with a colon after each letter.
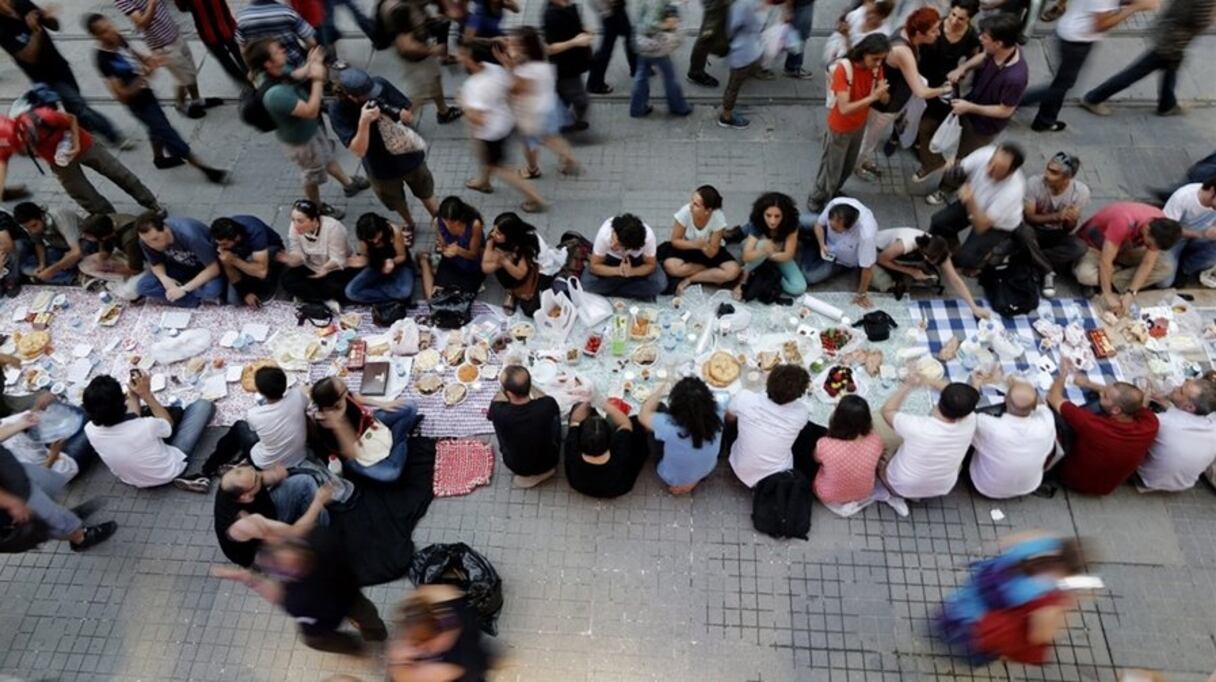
x: 624, y: 260
x: 928, y: 461
x: 990, y: 202
x: 768, y: 425
x: 144, y: 451
x: 844, y: 240
x: 1194, y: 207
x: 1185, y: 445
x: 1012, y: 449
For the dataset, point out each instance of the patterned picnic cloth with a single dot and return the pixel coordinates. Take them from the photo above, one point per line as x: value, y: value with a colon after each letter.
x: 947, y: 318
x: 461, y: 466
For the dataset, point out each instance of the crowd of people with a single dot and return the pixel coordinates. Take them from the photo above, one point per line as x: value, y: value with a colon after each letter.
x: 893, y: 81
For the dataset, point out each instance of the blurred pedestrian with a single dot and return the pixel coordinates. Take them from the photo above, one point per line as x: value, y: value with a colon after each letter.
x: 658, y: 37
x: 570, y: 51
x: 160, y: 33
x: 614, y: 23
x: 534, y: 99
x: 420, y: 39
x: 746, y: 58
x: 216, y: 28
x: 439, y: 638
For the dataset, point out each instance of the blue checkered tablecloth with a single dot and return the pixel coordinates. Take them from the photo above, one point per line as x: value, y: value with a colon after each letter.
x: 947, y: 318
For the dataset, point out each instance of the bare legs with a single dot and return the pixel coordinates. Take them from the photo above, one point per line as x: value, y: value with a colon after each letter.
x: 694, y: 273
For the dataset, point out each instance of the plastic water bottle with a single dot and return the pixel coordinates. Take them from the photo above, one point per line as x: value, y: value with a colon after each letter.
x: 335, y: 465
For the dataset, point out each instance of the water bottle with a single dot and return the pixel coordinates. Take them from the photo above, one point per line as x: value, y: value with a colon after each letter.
x: 335, y: 465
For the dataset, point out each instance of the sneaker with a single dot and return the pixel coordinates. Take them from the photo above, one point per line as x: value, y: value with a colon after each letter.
x: 165, y: 162
x: 937, y: 198
x: 89, y: 507
x: 95, y: 535
x: 357, y: 184
x: 576, y: 127
x: 865, y: 174
x: 1096, y: 108
x: 1049, y: 285
x: 814, y: 206
x: 800, y: 74
x: 453, y: 114
x: 332, y: 211
x: 1176, y: 110
x: 921, y: 175
x: 193, y: 484
x: 765, y: 75
x: 735, y: 121
x: 703, y: 79
x: 1053, y: 127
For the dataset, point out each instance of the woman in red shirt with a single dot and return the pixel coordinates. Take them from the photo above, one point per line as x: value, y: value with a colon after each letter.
x: 856, y: 84
x: 848, y: 455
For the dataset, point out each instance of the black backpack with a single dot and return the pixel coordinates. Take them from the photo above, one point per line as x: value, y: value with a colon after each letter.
x: 764, y: 285
x: 452, y: 308
x: 385, y: 314
x: 1012, y: 287
x: 252, y: 107
x: 781, y: 505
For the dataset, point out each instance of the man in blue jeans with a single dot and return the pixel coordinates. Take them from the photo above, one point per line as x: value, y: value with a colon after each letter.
x: 52, y: 251
x: 802, y: 21
x: 28, y: 494
x: 614, y: 23
x: 624, y: 260
x: 349, y: 427
x: 844, y: 236
x: 185, y: 268
x: 246, y: 248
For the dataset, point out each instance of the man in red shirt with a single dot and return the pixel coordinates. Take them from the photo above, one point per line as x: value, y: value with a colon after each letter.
x: 1106, y: 448
x: 1127, y: 244
x: 41, y: 133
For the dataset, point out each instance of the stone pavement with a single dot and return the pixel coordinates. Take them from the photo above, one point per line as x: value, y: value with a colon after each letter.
x: 647, y: 586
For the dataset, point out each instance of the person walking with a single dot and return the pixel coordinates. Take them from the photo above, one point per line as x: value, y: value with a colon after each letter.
x: 534, y: 99
x: 614, y: 22
x: 164, y: 39
x: 1177, y: 25
x: 746, y: 57
x: 216, y: 28
x: 570, y: 51
x: 658, y: 37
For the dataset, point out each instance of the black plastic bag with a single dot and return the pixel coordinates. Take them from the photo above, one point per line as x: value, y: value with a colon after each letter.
x: 461, y: 566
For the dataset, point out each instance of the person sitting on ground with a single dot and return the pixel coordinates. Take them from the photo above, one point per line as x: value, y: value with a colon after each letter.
x: 67, y: 456
x: 687, y: 431
x: 772, y: 236
x: 253, y: 506
x: 112, y: 245
x: 439, y: 638
x: 369, y: 435
x: 52, y: 250
x: 459, y: 240
x: 10, y: 234
x: 144, y: 449
x: 990, y: 202
x: 1128, y: 245
x: 603, y: 455
x: 697, y: 251
x: 1054, y: 202
x: 1012, y: 450
x: 528, y: 425
x: 844, y: 239
x: 315, y: 584
x: 1185, y: 445
x: 624, y: 260
x: 280, y: 425
x: 908, y: 253
x: 512, y: 255
x: 386, y: 274
x: 768, y: 425
x: 247, y: 250
x: 316, y: 256
x: 1194, y: 207
x: 28, y: 494
x: 848, y: 454
x: 183, y: 264
x: 927, y: 462
x: 1102, y: 449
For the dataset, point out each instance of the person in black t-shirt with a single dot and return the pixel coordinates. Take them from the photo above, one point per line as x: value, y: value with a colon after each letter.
x: 529, y: 428
x: 439, y: 638
x: 246, y: 248
x: 603, y: 456
x: 570, y: 52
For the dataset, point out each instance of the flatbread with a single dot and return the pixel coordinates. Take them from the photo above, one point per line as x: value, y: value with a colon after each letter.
x: 428, y: 383
x: 250, y: 370
x: 720, y: 370
x: 454, y: 394
x: 427, y: 360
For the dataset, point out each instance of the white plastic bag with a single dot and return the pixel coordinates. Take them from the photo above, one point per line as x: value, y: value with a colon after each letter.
x: 773, y: 40
x: 550, y: 261
x: 189, y: 343
x: 592, y: 308
x: 403, y: 337
x: 554, y: 327
x: 945, y: 140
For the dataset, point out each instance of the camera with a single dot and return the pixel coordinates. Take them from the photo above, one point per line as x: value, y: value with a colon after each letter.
x: 386, y: 109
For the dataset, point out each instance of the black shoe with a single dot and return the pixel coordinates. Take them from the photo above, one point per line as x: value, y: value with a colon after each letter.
x: 600, y: 90
x: 95, y: 535
x: 168, y: 162
x: 576, y: 127
x: 703, y: 79
x: 890, y: 147
x: 332, y: 211
x: 900, y: 288
x: 357, y: 184
x: 1053, y: 127
x: 453, y: 114
x: 212, y: 102
x: 193, y: 484
x: 89, y: 507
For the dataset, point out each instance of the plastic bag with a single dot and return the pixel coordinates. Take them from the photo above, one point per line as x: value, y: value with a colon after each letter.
x: 404, y: 337
x: 461, y: 566
x: 773, y: 40
x: 189, y: 343
x: 945, y: 140
x: 550, y: 261
x: 550, y: 326
x: 592, y: 308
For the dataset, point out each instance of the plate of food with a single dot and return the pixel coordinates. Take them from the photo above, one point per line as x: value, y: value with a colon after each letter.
x: 836, y: 382
x: 453, y: 354
x: 454, y: 394
x: 640, y: 392
x: 468, y: 373
x: 790, y: 353
x: 766, y: 360
x: 593, y: 344
x: 477, y: 354
x: 427, y: 360
x: 428, y: 383
x: 835, y: 340
x: 523, y: 331
x: 32, y: 344
x: 250, y: 371
x: 721, y: 370
x: 108, y: 315
x: 645, y: 355
x: 643, y: 327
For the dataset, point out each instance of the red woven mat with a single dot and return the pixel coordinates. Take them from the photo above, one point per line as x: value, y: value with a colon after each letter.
x: 461, y: 466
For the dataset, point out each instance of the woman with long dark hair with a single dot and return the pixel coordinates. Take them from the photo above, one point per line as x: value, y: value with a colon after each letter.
x: 772, y: 235
x: 690, y: 431
x: 369, y: 435
x: 386, y: 274
x: 459, y: 243
x: 511, y: 253
x: 848, y: 454
x: 316, y: 256
x: 906, y: 253
x: 697, y: 250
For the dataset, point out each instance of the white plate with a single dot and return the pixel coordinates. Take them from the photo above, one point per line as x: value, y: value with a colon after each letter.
x: 859, y: 378
x: 544, y: 371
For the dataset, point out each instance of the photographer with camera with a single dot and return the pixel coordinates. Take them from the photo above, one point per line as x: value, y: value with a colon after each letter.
x: 370, y: 117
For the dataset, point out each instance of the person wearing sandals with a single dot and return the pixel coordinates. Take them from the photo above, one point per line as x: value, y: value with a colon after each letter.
x: 697, y: 250
x: 385, y: 257
x: 534, y: 98
x: 459, y: 242
x: 511, y: 253
x: 485, y: 97
x: 772, y: 235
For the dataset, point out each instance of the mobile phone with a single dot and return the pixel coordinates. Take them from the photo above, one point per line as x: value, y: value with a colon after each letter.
x: 1080, y: 582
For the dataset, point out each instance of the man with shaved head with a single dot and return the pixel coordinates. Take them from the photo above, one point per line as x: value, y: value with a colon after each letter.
x: 1186, y: 442
x: 529, y: 428
x: 1103, y: 449
x: 1012, y: 449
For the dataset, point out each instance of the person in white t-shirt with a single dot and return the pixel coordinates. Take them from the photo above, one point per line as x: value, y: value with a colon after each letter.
x: 768, y: 425
x: 534, y: 97
x: 844, y: 240
x: 144, y: 451
x: 990, y: 202
x: 486, y: 100
x: 624, y: 260
x: 1011, y: 450
x: 1185, y: 445
x: 697, y: 251
x: 928, y: 461
x: 908, y: 253
x: 1194, y: 207
x: 281, y: 424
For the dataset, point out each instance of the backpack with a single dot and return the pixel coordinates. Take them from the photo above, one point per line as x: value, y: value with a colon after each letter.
x: 578, y: 253
x: 781, y: 505
x: 764, y: 285
x: 452, y: 308
x: 252, y: 107
x: 317, y: 314
x: 385, y: 314
x: 829, y: 99
x: 1012, y: 287
x: 714, y: 27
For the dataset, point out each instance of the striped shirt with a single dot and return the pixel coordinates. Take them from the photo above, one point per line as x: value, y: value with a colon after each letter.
x: 213, y: 20
x: 269, y: 19
x: 161, y: 31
